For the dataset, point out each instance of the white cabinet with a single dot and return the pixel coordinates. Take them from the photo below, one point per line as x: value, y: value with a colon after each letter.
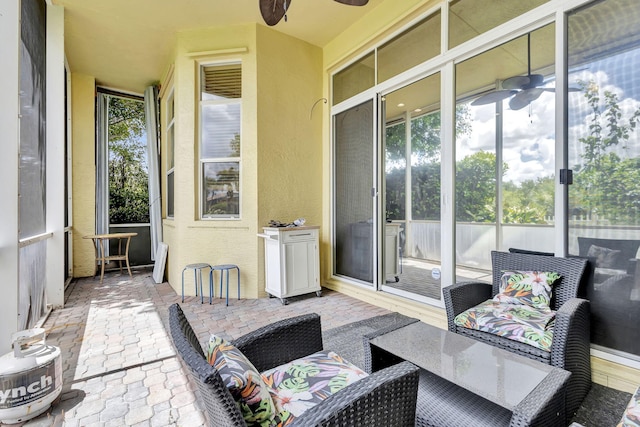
x: 292, y: 261
x: 359, y: 259
x: 391, y: 251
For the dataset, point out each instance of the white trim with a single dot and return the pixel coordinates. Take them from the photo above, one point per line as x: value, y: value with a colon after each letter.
x: 10, y: 125
x: 412, y: 297
x: 561, y: 199
x: 170, y: 156
x: 56, y: 141
x: 201, y: 161
x: 199, y: 54
x: 448, y: 172
x: 69, y: 159
x: 612, y: 357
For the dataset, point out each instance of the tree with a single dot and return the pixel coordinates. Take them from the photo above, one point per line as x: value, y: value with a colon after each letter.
x: 476, y: 187
x: 425, y: 136
x: 425, y: 164
x: 604, y: 182
x: 531, y: 202
x: 128, y: 176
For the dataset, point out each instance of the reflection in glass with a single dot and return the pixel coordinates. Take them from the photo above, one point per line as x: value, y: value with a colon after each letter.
x: 604, y: 154
x: 220, y: 131
x: 469, y: 18
x: 409, y: 48
x: 221, y: 189
x: 354, y: 79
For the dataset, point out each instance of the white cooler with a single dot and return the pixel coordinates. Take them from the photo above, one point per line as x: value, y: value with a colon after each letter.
x: 30, y: 377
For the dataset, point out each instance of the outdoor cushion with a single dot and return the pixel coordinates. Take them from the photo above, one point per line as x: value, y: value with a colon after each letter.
x: 631, y: 416
x: 605, y: 257
x: 303, y: 383
x: 243, y: 381
x: 532, y: 288
x: 518, y: 322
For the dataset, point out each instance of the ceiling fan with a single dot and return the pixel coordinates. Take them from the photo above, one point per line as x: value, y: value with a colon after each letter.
x: 524, y: 89
x: 274, y: 10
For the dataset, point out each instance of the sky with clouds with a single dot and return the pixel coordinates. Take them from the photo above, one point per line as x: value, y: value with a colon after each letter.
x: 529, y: 133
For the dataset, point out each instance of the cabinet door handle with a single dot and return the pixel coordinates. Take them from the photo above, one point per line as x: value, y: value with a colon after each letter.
x: 300, y: 235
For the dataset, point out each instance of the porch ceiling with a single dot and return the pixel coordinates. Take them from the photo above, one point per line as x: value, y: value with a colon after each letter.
x: 127, y: 44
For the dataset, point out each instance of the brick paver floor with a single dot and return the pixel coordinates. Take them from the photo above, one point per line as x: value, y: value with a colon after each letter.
x: 119, y: 366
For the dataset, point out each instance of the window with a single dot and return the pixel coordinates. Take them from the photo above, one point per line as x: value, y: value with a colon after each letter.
x: 354, y: 79
x: 170, y: 153
x: 220, y: 116
x: 469, y: 18
x: 409, y: 48
x: 604, y: 153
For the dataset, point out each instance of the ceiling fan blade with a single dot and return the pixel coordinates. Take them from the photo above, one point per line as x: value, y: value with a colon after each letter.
x: 353, y: 2
x: 516, y: 82
x: 535, y: 80
x: 273, y: 10
x: 493, y: 97
x: 524, y: 98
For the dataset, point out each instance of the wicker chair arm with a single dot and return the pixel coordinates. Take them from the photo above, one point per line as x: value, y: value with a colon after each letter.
x: 462, y: 296
x: 281, y: 342
x: 570, y: 331
x: 570, y: 349
x: 544, y: 406
x: 385, y: 398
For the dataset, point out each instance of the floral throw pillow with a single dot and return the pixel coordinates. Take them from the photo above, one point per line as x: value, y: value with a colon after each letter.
x: 532, y: 288
x: 243, y: 381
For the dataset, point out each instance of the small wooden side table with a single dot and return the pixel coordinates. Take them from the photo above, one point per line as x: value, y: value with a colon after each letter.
x: 99, y: 246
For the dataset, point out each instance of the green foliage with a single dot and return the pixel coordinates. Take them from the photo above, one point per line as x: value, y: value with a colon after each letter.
x: 128, y: 177
x: 476, y: 187
x: 606, y: 185
x: 529, y: 203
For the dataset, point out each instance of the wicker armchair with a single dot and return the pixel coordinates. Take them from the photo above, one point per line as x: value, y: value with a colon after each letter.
x: 385, y: 398
x: 570, y: 345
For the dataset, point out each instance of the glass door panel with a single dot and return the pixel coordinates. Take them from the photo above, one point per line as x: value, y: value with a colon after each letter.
x: 604, y: 154
x: 505, y: 151
x: 412, y: 148
x: 355, y: 236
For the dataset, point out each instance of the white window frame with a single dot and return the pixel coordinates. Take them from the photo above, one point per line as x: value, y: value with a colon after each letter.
x: 202, y: 161
x: 171, y: 149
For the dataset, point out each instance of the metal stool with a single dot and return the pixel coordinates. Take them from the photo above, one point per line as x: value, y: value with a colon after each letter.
x: 197, y: 278
x: 223, y: 268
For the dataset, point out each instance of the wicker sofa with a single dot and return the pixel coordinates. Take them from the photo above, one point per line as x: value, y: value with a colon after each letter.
x: 570, y: 345
x: 384, y: 398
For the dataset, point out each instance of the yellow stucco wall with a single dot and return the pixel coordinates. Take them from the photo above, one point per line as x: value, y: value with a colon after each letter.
x: 289, y: 135
x: 83, y: 89
x: 281, y: 166
x: 192, y: 240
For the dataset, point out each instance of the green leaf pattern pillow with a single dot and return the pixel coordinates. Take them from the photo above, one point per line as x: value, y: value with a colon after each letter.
x: 532, y: 288
x: 303, y: 383
x: 243, y: 381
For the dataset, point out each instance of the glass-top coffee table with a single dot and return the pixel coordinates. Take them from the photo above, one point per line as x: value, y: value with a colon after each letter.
x: 467, y: 381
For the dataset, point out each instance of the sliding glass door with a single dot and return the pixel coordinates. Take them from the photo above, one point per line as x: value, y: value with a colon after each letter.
x: 355, y: 232
x: 412, y: 163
